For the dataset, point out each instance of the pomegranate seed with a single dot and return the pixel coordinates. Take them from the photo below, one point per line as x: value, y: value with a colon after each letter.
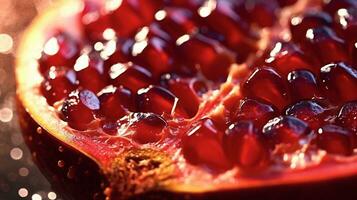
x: 335, y: 140
x: 308, y: 111
x: 229, y: 28
x: 347, y: 116
x: 243, y: 146
x: 160, y: 101
x: 284, y: 3
x: 59, y: 50
x: 304, y: 85
x: 286, y: 130
x: 347, y: 23
x: 184, y: 90
x: 153, y: 53
x: 256, y: 111
x: 146, y: 127
x: 130, y: 76
x: 301, y: 23
x: 203, y: 146
x: 285, y: 57
x: 115, y: 102
x: 266, y: 84
x: 176, y: 22
x: 124, y: 18
x: 58, y: 83
x: 146, y: 8
x: 213, y: 61
x: 332, y: 6
x: 260, y: 12
x: 90, y: 72
x: 324, y: 43
x: 93, y: 21
x: 112, y: 53
x: 338, y: 80
x: 78, y: 109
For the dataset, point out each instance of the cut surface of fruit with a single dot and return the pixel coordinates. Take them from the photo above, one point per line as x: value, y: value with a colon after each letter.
x: 197, y: 96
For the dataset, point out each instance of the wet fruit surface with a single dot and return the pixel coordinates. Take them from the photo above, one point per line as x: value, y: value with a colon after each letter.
x: 192, y: 79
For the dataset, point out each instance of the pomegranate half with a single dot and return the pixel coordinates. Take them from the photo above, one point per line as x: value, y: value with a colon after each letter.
x: 192, y: 99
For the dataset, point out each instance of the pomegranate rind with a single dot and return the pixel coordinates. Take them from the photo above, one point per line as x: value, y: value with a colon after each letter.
x: 28, y: 83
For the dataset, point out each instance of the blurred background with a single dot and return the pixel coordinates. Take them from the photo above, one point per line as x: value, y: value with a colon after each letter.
x: 19, y: 177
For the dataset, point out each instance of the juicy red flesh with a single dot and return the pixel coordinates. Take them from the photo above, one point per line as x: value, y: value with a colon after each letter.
x: 203, y: 145
x: 244, y: 146
x: 60, y: 51
x: 79, y: 108
x: 335, y: 140
x: 266, y: 84
x: 339, y: 81
x: 155, y: 71
x: 58, y: 83
x: 286, y: 130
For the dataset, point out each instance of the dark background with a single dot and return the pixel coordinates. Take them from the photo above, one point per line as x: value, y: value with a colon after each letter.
x: 19, y: 177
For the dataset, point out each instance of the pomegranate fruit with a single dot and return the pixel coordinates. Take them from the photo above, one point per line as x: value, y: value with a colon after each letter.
x: 192, y: 99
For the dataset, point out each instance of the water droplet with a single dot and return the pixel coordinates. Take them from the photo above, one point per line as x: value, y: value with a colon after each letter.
x: 6, y: 114
x: 61, y: 149
x: 6, y: 43
x: 36, y: 197
x: 23, y: 192
x: 16, y: 153
x: 39, y: 130
x: 52, y: 195
x: 60, y: 163
x: 23, y: 171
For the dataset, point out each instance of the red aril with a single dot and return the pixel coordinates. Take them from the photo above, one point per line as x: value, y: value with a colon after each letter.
x: 332, y: 6
x: 153, y: 53
x: 347, y: 116
x: 60, y: 50
x: 285, y: 57
x: 304, y: 85
x: 160, y: 101
x: 146, y: 8
x: 94, y: 21
x: 263, y: 13
x: 312, y: 19
x: 324, y: 42
x: 213, y: 61
x: 335, y: 140
x: 244, y: 146
x: 146, y: 127
x: 90, y: 72
x: 266, y: 84
x: 58, y: 83
x: 130, y: 76
x: 308, y: 111
x: 346, y: 21
x: 203, y: 146
x: 79, y: 108
x: 176, y: 22
x: 115, y: 102
x: 338, y: 80
x: 256, y: 111
x: 184, y: 89
x: 227, y: 27
x: 286, y: 130
x: 123, y: 17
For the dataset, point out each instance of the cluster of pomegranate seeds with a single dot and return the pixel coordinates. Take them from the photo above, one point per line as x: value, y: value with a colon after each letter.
x: 147, y: 69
